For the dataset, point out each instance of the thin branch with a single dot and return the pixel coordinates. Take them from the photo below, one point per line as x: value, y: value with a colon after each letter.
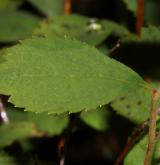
x: 114, y: 47
x: 62, y: 161
x: 3, y: 113
x: 152, y: 128
x: 64, y: 141
x: 140, y: 129
x: 61, y: 150
x: 67, y: 7
x: 140, y: 16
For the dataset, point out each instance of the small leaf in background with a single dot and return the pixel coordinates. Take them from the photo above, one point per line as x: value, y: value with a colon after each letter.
x: 103, y: 48
x: 80, y: 27
x: 53, y: 125
x: 49, y: 7
x: 6, y: 159
x: 154, y: 34
x: 16, y: 25
x: 59, y: 75
x: 131, y: 5
x: 9, y: 4
x: 153, y: 37
x: 96, y: 119
x: 17, y: 131
x: 156, y: 159
x: 135, y: 106
x: 151, y: 13
x: 137, y: 155
x: 49, y: 124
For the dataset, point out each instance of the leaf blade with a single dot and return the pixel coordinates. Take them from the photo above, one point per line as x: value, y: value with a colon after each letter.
x: 64, y: 77
x: 17, y: 131
x: 80, y: 27
x: 49, y: 7
x: 16, y: 25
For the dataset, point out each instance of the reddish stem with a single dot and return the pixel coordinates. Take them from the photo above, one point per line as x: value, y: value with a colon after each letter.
x: 60, y: 148
x: 140, y: 16
x: 67, y: 7
x: 134, y: 137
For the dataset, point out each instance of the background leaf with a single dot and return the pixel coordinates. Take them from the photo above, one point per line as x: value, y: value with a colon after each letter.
x: 79, y: 27
x: 137, y: 155
x: 131, y: 5
x: 139, y: 152
x: 103, y: 48
x: 96, y: 119
x: 9, y: 4
x: 6, y: 159
x: 49, y: 124
x: 154, y: 34
x: 17, y: 131
x: 16, y: 25
x: 49, y: 7
x: 152, y: 10
x: 153, y: 37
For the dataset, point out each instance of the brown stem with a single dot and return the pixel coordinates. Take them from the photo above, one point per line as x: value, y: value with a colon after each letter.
x: 67, y: 7
x: 152, y: 128
x: 140, y: 129
x: 60, y: 148
x: 140, y: 16
x: 63, y: 147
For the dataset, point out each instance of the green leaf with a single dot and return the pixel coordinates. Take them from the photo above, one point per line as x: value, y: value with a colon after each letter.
x: 49, y: 7
x: 9, y: 4
x: 17, y: 131
x: 79, y: 27
x: 16, y: 25
x: 137, y: 155
x: 96, y: 119
x: 103, y: 48
x: 150, y: 34
x: 151, y: 13
x: 6, y: 159
x: 135, y: 106
x: 131, y: 5
x: 58, y: 75
x: 156, y: 160
x: 52, y: 125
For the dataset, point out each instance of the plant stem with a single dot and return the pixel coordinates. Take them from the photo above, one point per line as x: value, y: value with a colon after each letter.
x: 140, y: 16
x: 61, y: 150
x: 3, y: 113
x: 114, y: 47
x: 67, y: 7
x: 152, y: 128
x: 140, y: 129
x: 65, y: 139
